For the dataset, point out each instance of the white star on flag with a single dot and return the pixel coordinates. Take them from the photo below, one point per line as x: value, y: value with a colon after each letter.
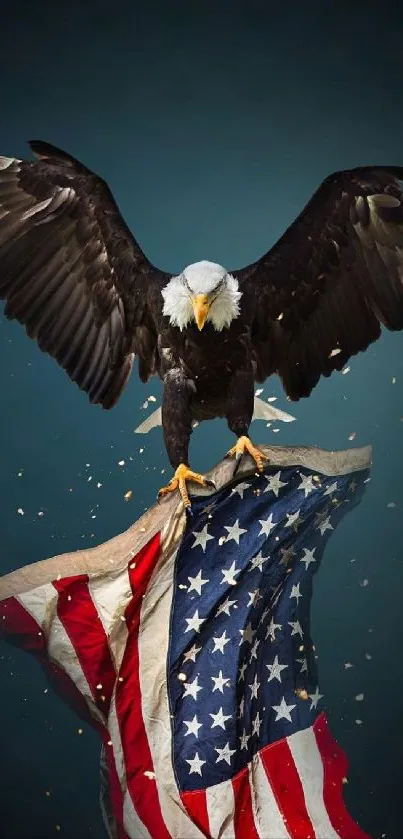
x: 267, y: 525
x: 195, y: 764
x: 296, y: 628
x: 309, y: 557
x: 196, y: 583
x: 242, y: 669
x: 330, y: 489
x: 191, y: 654
x: 194, y: 623
x: 315, y: 697
x: 219, y: 719
x: 271, y: 630
x: 225, y: 754
x: 193, y: 726
x: 254, y: 597
x: 234, y: 532
x: 295, y: 592
x: 307, y: 484
x: 292, y: 519
x: 240, y: 488
x: 254, y: 687
x: 220, y: 682
x: 275, y: 669
x: 192, y: 688
x: 225, y: 607
x: 244, y: 739
x: 325, y: 525
x: 253, y: 652
x: 283, y: 711
x: 220, y: 642
x: 202, y: 537
x: 247, y: 634
x: 274, y: 484
x: 256, y: 723
x: 304, y: 664
x: 257, y: 562
x: 229, y: 575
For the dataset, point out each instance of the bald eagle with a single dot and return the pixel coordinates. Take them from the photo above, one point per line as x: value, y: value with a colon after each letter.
x: 74, y: 276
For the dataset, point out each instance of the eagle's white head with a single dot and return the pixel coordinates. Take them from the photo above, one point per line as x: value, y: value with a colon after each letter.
x: 203, y: 292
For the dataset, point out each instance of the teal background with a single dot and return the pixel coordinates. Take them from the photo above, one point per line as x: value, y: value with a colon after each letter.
x: 213, y: 123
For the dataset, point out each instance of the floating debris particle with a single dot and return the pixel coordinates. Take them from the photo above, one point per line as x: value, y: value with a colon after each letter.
x: 302, y: 693
x: 391, y: 504
x: 352, y: 436
x: 272, y: 398
x: 20, y: 511
x: 364, y: 583
x: 359, y: 697
x: 393, y: 380
x: 336, y: 351
x: 121, y: 463
x: 258, y: 391
x: 346, y: 370
x: 348, y: 665
x: 358, y: 722
x: 127, y: 496
x: 152, y: 399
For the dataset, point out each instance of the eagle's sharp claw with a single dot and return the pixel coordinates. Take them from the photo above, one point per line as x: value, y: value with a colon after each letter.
x: 244, y: 444
x: 179, y: 481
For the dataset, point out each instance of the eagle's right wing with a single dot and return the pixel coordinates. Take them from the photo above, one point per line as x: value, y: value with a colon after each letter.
x: 72, y: 273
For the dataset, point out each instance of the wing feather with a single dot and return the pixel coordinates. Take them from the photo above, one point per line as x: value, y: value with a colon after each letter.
x: 70, y: 270
x: 335, y: 276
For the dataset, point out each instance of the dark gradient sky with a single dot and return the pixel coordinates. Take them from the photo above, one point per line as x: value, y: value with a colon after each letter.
x: 213, y: 123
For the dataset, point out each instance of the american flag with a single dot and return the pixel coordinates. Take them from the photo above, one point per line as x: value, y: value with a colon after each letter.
x: 193, y: 659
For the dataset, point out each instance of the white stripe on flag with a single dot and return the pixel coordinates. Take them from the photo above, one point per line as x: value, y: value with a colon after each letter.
x: 220, y: 801
x: 269, y: 822
x: 111, y: 594
x: 153, y: 651
x: 309, y: 766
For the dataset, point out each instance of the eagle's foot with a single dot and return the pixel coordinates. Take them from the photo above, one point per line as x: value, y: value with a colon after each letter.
x: 242, y: 445
x: 181, y: 476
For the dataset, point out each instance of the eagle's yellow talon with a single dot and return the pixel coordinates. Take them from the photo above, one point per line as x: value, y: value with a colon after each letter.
x: 244, y: 444
x: 181, y: 476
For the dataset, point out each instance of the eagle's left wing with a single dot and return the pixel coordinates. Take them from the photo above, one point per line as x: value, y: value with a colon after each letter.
x: 72, y: 273
x: 322, y: 292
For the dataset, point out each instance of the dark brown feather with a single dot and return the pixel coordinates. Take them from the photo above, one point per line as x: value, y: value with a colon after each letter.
x: 71, y: 272
x: 331, y: 280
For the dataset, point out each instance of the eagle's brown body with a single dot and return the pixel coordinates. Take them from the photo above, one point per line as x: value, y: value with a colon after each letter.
x: 72, y: 273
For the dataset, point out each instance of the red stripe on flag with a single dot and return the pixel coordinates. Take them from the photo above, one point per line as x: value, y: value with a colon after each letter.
x: 196, y: 806
x: 286, y: 784
x: 335, y: 766
x: 136, y: 750
x: 20, y: 628
x: 244, y: 823
x: 78, y: 614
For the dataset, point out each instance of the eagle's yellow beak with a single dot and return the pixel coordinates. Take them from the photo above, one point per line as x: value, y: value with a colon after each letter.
x: 200, y: 307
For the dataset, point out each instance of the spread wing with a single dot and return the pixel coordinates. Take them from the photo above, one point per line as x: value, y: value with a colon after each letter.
x: 324, y: 289
x: 71, y: 272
